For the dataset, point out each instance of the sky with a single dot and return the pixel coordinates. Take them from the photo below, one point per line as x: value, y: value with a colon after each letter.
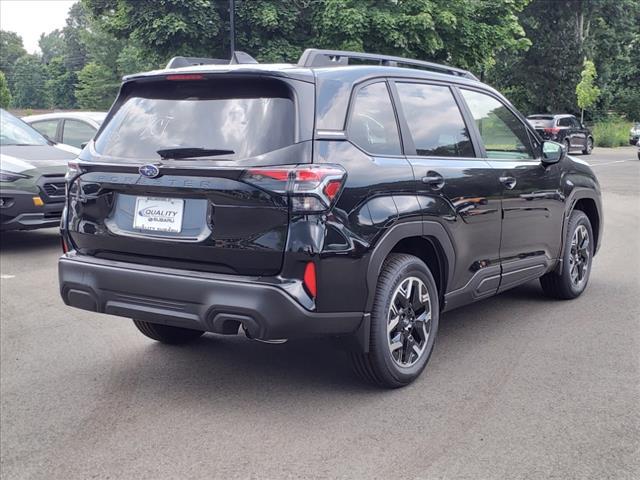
x: 30, y: 18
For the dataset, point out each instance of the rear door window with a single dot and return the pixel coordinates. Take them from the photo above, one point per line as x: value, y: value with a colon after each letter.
x: 565, y: 122
x: 49, y: 128
x: 76, y: 132
x: 503, y: 134
x: 247, y: 117
x: 373, y: 125
x: 434, y: 120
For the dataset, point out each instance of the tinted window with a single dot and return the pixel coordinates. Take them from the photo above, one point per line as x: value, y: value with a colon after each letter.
x: 76, y: 133
x: 565, y: 122
x: 503, y: 135
x: 47, y: 127
x: 248, y: 117
x: 541, y: 122
x: 373, y: 124
x: 15, y: 132
x: 434, y: 120
x: 575, y: 122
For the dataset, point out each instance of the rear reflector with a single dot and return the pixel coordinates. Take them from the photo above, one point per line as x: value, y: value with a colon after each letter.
x: 309, y: 279
x: 185, y: 76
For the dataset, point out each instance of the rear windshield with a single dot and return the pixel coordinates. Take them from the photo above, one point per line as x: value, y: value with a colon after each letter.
x: 541, y: 122
x: 248, y: 118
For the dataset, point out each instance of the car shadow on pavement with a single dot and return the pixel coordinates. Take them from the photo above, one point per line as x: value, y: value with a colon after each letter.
x: 25, y: 240
x: 214, y: 366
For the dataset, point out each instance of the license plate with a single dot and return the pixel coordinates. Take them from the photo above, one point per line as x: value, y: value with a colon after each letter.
x: 158, y: 214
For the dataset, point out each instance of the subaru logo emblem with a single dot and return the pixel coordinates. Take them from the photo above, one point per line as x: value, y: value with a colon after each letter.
x: 149, y: 171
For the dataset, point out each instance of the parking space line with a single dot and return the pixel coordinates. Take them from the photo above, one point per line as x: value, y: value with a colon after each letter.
x: 608, y: 163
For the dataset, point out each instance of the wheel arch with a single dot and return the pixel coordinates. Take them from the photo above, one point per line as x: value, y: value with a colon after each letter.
x: 427, y: 240
x: 588, y: 201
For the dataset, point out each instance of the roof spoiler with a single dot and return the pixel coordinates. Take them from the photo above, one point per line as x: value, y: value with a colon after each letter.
x: 237, y: 59
x: 313, y: 57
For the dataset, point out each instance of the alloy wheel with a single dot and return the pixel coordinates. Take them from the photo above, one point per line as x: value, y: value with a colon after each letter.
x: 409, y: 322
x: 580, y: 256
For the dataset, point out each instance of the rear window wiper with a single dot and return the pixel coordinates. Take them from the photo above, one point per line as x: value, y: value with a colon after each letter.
x: 190, y: 152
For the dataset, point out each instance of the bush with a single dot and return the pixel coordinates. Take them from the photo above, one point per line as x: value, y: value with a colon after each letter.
x: 611, y: 132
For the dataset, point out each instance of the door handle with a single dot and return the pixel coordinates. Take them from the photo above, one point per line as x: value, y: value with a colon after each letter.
x: 434, y: 180
x: 508, y: 182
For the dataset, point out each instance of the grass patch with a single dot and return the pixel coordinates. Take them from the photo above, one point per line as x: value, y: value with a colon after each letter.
x: 611, y: 132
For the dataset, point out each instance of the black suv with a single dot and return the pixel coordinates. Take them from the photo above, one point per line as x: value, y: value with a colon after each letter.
x: 565, y: 129
x: 323, y: 198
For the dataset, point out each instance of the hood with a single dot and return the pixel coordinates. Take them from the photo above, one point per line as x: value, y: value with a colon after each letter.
x: 37, y: 155
x: 46, y: 167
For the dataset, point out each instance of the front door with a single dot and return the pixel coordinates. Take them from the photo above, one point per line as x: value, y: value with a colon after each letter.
x: 455, y: 187
x: 532, y: 204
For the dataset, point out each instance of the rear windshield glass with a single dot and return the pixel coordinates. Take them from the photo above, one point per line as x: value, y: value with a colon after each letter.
x: 248, y: 118
x: 542, y: 122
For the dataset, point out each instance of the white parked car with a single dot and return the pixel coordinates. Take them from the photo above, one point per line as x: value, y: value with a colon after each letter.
x: 69, y: 128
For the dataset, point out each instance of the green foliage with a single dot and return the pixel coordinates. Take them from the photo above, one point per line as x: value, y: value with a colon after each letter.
x: 75, y: 51
x: 544, y: 78
x: 52, y: 45
x: 613, y: 132
x: 586, y: 91
x: 29, y: 78
x: 60, y: 85
x: 5, y: 95
x: 11, y: 49
x: 167, y: 27
x: 133, y: 59
x: 97, y: 87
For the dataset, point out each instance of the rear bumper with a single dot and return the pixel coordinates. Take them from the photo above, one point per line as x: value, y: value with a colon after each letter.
x: 19, y: 212
x: 211, y: 302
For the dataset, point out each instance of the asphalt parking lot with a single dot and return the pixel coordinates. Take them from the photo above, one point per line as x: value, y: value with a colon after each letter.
x: 519, y: 386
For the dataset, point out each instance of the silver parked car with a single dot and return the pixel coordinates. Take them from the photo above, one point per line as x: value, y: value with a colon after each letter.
x: 70, y: 128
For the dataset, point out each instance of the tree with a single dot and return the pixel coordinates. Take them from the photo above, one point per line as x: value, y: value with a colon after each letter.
x: 5, y: 95
x: 51, y: 45
x: 462, y: 32
x: 29, y: 79
x: 11, y: 49
x: 60, y: 85
x: 75, y: 52
x: 167, y: 27
x: 586, y: 92
x: 97, y: 87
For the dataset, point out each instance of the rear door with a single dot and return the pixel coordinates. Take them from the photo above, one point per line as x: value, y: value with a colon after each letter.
x: 187, y: 209
x: 532, y: 203
x: 455, y: 186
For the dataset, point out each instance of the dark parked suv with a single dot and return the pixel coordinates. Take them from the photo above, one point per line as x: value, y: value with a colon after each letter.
x: 565, y: 129
x: 323, y: 198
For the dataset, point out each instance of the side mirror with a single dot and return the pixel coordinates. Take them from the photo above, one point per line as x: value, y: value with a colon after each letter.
x: 553, y: 152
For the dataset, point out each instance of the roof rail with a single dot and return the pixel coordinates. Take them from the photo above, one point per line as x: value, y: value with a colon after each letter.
x: 237, y: 58
x: 313, y: 57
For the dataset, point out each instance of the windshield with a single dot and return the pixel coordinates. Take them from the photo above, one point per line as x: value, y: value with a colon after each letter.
x: 541, y: 122
x: 15, y: 132
x: 245, y: 120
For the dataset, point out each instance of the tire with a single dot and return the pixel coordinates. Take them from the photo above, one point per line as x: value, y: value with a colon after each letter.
x: 589, y: 148
x: 386, y: 364
x: 166, y: 333
x: 570, y: 282
x: 567, y: 145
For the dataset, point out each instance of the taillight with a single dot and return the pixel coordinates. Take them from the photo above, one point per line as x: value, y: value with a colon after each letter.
x: 553, y: 130
x: 312, y: 188
x: 73, y: 168
x: 65, y: 247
